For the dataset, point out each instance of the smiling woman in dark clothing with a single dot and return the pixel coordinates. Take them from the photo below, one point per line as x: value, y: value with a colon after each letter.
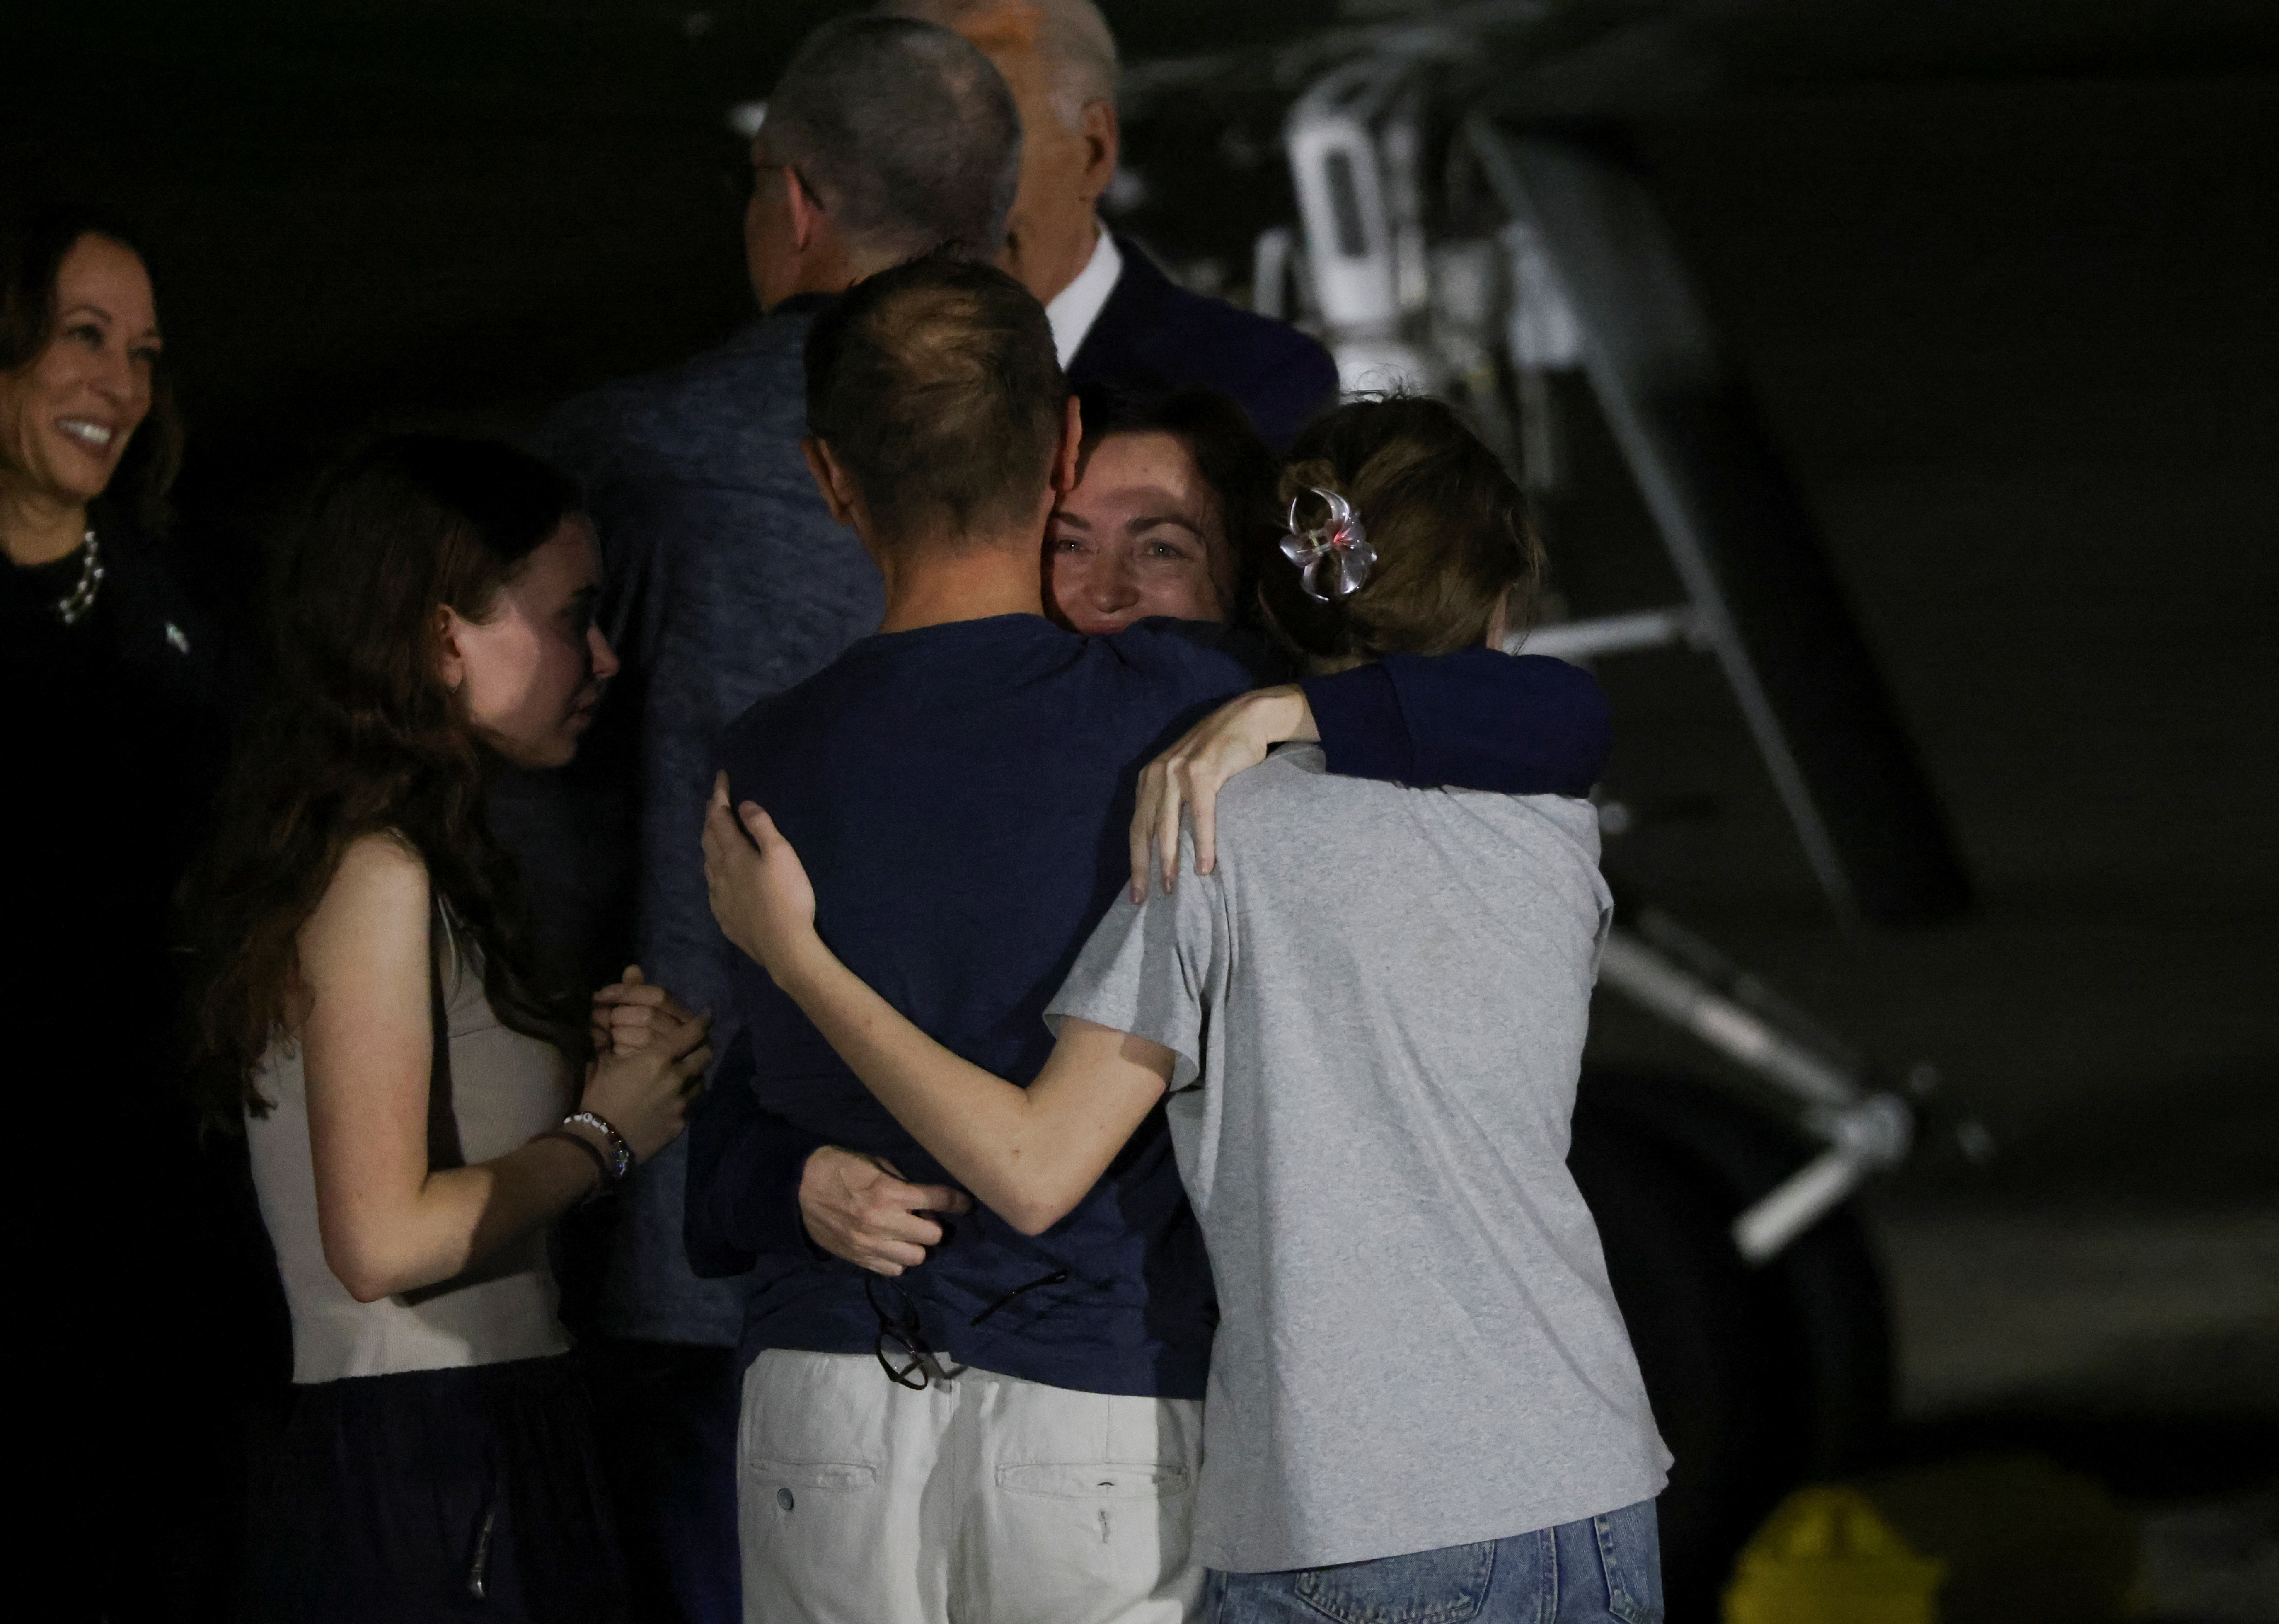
x: 88, y: 446
x: 116, y: 731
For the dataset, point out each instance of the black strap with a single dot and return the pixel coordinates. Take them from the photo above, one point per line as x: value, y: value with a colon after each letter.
x: 443, y: 1150
x: 1054, y: 1278
x: 443, y: 1123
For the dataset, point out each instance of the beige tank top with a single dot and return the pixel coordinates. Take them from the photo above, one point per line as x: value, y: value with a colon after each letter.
x: 504, y: 1088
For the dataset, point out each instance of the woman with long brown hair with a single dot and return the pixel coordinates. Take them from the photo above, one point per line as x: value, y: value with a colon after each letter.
x: 367, y: 1004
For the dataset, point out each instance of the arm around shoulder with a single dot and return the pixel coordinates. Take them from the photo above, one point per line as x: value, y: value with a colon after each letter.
x: 1520, y: 724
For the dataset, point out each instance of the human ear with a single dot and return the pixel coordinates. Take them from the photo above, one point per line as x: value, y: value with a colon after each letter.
x: 450, y: 659
x: 1068, y: 456
x: 806, y: 213
x: 831, y: 480
x: 1500, y: 620
x: 1102, y: 140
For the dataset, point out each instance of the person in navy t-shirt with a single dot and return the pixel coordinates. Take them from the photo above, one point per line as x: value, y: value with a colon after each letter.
x: 1008, y: 1430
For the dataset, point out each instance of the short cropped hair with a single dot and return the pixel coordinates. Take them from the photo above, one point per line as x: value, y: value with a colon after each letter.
x: 1073, y: 36
x: 1449, y: 524
x: 906, y: 134
x: 936, y: 387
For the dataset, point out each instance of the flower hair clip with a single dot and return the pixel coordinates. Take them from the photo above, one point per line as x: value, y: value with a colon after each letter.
x: 1341, y: 541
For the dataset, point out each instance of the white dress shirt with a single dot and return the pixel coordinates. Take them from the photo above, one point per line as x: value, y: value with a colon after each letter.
x: 1077, y: 306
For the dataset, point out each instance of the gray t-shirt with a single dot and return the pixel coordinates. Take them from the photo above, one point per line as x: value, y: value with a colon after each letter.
x: 1378, y: 1003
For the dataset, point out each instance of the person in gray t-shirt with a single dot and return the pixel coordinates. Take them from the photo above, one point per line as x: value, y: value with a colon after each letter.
x: 1368, y: 1017
x: 1376, y: 1006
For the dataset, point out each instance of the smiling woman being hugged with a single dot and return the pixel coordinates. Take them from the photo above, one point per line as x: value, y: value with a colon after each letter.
x: 419, y: 1108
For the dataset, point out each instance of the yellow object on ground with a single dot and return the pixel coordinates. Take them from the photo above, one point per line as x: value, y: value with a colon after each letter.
x: 2025, y: 1541
x: 1826, y: 1557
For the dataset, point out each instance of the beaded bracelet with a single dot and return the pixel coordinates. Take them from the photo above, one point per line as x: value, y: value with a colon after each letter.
x: 621, y: 1154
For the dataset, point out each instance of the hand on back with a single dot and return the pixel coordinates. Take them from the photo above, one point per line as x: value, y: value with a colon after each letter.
x: 760, y: 891
x: 860, y: 1208
x: 856, y: 1207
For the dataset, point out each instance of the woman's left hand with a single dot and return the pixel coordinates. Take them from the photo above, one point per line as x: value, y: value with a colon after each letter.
x: 628, y: 1013
x: 760, y: 890
x: 1232, y: 739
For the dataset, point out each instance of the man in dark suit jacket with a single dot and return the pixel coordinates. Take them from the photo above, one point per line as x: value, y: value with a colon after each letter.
x: 1154, y: 335
x: 1117, y: 318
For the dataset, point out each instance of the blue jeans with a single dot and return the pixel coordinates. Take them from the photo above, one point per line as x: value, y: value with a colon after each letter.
x: 1590, y: 1571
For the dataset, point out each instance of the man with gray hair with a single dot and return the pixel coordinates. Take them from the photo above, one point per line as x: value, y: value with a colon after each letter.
x: 726, y: 580
x: 1117, y: 320
x: 874, y: 135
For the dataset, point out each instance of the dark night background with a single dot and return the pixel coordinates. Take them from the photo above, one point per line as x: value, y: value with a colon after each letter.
x: 2005, y: 277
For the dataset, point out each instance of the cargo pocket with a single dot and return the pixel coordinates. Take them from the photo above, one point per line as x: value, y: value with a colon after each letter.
x: 1429, y: 1587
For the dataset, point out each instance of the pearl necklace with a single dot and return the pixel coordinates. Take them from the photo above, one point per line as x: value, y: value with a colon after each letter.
x: 72, y: 607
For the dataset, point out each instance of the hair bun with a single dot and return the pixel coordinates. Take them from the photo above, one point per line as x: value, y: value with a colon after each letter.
x: 1447, y: 554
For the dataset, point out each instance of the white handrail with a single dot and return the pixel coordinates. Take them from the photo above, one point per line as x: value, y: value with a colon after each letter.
x: 1587, y: 639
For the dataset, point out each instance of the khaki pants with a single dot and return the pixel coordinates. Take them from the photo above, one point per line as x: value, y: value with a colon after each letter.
x: 982, y: 1500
